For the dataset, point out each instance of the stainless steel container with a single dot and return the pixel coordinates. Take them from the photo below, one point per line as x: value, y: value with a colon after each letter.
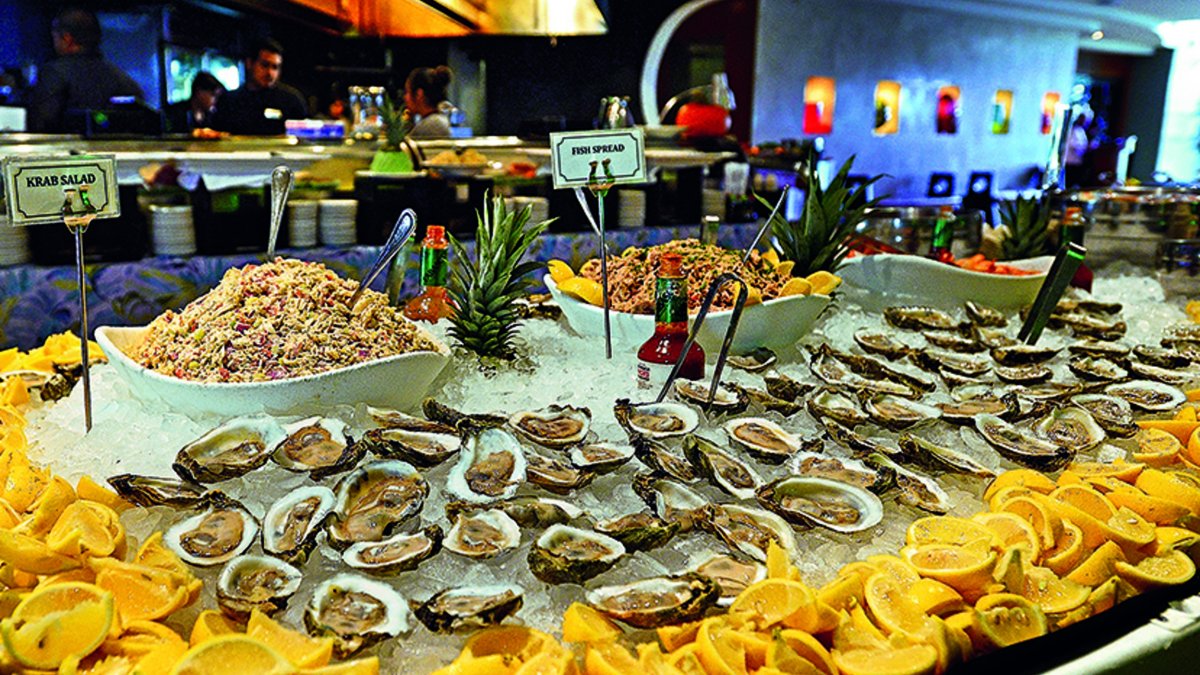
x: 910, y: 228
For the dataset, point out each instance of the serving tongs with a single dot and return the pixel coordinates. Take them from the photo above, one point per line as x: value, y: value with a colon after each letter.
x: 1066, y: 263
x: 405, y: 225
x: 738, y: 305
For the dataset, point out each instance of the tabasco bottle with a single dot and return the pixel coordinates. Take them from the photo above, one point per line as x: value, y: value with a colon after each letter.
x: 943, y: 236
x: 658, y: 355
x: 1071, y: 232
x: 434, y: 302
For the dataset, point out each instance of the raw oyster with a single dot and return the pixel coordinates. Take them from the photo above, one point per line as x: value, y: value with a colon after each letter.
x: 843, y: 470
x: 1073, y: 428
x: 1033, y: 373
x: 994, y: 337
x: 1097, y: 370
x: 748, y: 530
x: 895, y: 412
x: 250, y: 582
x: 221, y: 532
x: 554, y: 475
x: 1087, y: 306
x: 1113, y: 414
x: 721, y: 467
x: 937, y: 360
x: 1175, y: 378
x: 600, y: 458
x: 491, y: 467
x: 486, y: 534
x: 955, y: 342
x: 919, y: 318
x: 394, y: 419
x: 371, y: 501
x: 807, y: 501
x: 1019, y: 355
x: 670, y: 500
x: 1020, y: 446
x: 859, y: 444
x: 783, y: 387
x: 461, y: 421
x: 291, y: 525
x: 1147, y: 395
x: 570, y: 555
x: 762, y: 438
x: 656, y: 420
x: 969, y: 403
x: 356, y: 612
x: 827, y: 402
x: 553, y: 427
x: 659, y: 459
x: 754, y: 361
x: 875, y: 370
x: 1048, y: 391
x: 231, y: 450
x: 931, y: 455
x: 982, y: 315
x: 732, y: 576
x: 638, y: 531
x: 725, y: 400
x: 766, y: 401
x: 397, y: 553
x: 1099, y: 349
x: 1180, y: 332
x: 317, y: 445
x: 1083, y: 325
x: 153, y: 491
x: 878, y: 342
x: 833, y: 372
x: 658, y: 601
x: 422, y: 448
x: 472, y: 607
x: 539, y: 512
x: 914, y: 489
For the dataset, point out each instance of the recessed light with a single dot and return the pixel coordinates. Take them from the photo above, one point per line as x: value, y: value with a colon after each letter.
x: 1098, y: 35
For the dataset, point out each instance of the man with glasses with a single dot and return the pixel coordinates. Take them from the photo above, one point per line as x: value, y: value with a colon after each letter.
x: 262, y: 105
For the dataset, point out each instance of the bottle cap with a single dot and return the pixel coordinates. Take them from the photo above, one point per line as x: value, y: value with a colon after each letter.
x: 670, y: 265
x: 435, y: 232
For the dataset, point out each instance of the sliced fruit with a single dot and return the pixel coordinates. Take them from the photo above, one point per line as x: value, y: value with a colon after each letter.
x: 1099, y: 566
x: 364, y: 666
x: 1052, y: 594
x: 1129, y: 529
x: 1180, y: 429
x: 891, y: 607
x: 772, y: 601
x: 1012, y: 531
x: 66, y: 621
x: 717, y: 651
x: 912, y: 660
x: 139, y: 638
x: 960, y: 567
x: 1085, y: 499
x: 1167, y: 486
x: 31, y: 555
x: 1004, y: 619
x: 1166, y: 570
x: 1192, y: 450
x: 1174, y: 538
x: 1154, y: 509
x: 778, y: 565
x: 160, y: 660
x: 232, y: 654
x: 1157, y: 447
x: 754, y: 644
x: 1011, y: 568
x: 582, y: 623
x: 546, y: 663
x: 824, y: 283
x: 1048, y: 525
x: 47, y: 508
x: 1125, y: 471
x: 86, y: 528
x: 842, y: 591
x: 1035, y: 481
x: 510, y: 642
x: 947, y: 530
x: 92, y: 491
x: 298, y: 647
x: 583, y: 288
x: 784, y: 269
x: 796, y: 286
x: 898, y: 568
x: 145, y: 595
x: 154, y: 553
x: 782, y: 658
x: 810, y: 648
x: 560, y: 271
x: 935, y: 598
x: 209, y: 624
x: 674, y: 637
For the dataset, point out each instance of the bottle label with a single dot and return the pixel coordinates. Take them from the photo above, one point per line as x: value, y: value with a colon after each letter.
x: 652, y: 376
x: 670, y: 300
x: 433, y: 266
x: 943, y: 234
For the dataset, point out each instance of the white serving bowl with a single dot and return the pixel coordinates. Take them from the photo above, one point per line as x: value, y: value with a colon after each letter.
x: 943, y: 284
x: 775, y: 324
x: 398, y: 382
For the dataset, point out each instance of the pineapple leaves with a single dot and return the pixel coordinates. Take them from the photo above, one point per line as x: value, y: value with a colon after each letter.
x: 1027, y: 222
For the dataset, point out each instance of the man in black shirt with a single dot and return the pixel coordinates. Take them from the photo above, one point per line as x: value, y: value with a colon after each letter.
x: 263, y: 103
x: 80, y: 79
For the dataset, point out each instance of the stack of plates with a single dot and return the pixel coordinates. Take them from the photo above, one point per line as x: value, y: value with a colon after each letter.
x: 338, y: 218
x: 172, y: 231
x: 631, y: 208
x: 14, y: 243
x: 302, y: 223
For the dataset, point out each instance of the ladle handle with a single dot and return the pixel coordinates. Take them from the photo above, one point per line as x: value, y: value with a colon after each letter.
x: 405, y: 225
x: 281, y: 186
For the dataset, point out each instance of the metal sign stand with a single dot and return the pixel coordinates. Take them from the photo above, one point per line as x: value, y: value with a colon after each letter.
x: 77, y: 223
x: 599, y: 189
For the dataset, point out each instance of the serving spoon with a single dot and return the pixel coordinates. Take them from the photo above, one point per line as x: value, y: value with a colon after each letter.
x: 405, y: 225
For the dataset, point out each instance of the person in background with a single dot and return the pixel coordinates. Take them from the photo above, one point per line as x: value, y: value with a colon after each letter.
x: 425, y: 97
x: 195, y: 112
x: 80, y: 78
x: 261, y: 105
x: 1078, y: 146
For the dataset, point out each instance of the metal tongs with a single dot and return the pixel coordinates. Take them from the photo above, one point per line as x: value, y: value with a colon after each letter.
x: 738, y: 306
x: 405, y: 225
x: 1066, y: 263
x: 766, y: 224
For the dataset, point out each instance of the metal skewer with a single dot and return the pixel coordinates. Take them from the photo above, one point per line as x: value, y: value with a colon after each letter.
x: 78, y: 224
x: 282, y: 180
x: 765, y: 225
x: 405, y: 225
x: 734, y: 320
x: 599, y: 188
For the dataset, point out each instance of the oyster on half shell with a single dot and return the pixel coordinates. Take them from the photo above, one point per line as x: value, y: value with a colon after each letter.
x: 658, y: 601
x: 233, y: 449
x: 571, y: 555
x: 732, y: 576
x: 470, y: 607
x: 222, y: 531
x: 318, y: 445
x: 421, y: 448
x: 670, y: 500
x: 1113, y: 414
x: 1072, y: 427
x: 941, y: 458
x: 881, y: 343
x: 1021, y: 446
x: 291, y: 525
x: 843, y: 470
x: 1147, y: 395
x: 895, y: 412
x: 398, y: 553
x: 356, y: 612
x: 919, y: 318
x: 600, y: 458
x: 763, y: 439
x: 656, y: 420
x: 555, y: 426
x: 555, y: 475
x: 660, y: 459
x: 721, y: 467
x: 806, y: 501
x: 255, y: 582
x: 1097, y: 370
x: 753, y: 361
x: 638, y: 531
x: 485, y: 534
x: 154, y: 491
x: 725, y: 401
x: 748, y: 530
x: 491, y: 467
x: 374, y: 499
x: 827, y: 402
x: 914, y: 489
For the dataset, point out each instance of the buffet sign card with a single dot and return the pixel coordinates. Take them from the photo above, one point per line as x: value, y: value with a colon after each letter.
x: 43, y: 190
x: 586, y: 158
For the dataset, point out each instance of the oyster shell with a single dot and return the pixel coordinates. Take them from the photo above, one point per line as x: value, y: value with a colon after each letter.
x: 231, y: 450
x: 1019, y: 354
x: 1087, y: 306
x: 394, y: 419
x: 732, y: 576
x: 748, y: 530
x: 356, y: 612
x: 397, y: 553
x: 726, y: 400
x: 894, y: 412
x: 153, y: 491
x: 659, y: 459
x: 656, y: 420
x: 994, y: 337
x: 317, y: 445
x: 554, y: 475
x: 762, y: 438
x: 1097, y: 370
x: 471, y: 607
x: 600, y: 458
x: 256, y: 582
x: 1180, y: 332
x: 914, y: 489
x: 491, y: 467
x: 1147, y: 395
x: 1020, y: 446
x: 833, y: 372
x: 766, y: 401
x: 658, y: 601
x: 783, y: 387
x: 827, y: 402
x: 570, y: 555
x: 843, y: 470
x: 1083, y: 325
x: 982, y: 315
x: 874, y: 369
x: 1099, y: 349
x: 222, y: 531
x: 937, y: 360
x: 1175, y: 378
x: 638, y: 531
x: 878, y: 342
x: 955, y: 342
x: 291, y: 525
x: 721, y: 467
x: 553, y: 427
x: 1048, y: 391
x: 421, y: 448
x: 461, y: 421
x: 807, y: 501
x: 1113, y: 414
x: 754, y: 361
x: 1073, y: 428
x: 919, y: 318
x: 963, y: 410
x: 933, y: 456
x: 485, y: 534
x: 1030, y: 374
x: 670, y: 500
x: 539, y: 512
x: 859, y: 444
x: 374, y: 499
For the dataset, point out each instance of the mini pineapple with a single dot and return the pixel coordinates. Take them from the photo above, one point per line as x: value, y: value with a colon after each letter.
x: 1027, y: 225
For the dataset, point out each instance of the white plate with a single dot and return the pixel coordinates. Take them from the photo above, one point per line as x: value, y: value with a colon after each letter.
x: 944, y: 284
x: 398, y: 382
x: 776, y: 324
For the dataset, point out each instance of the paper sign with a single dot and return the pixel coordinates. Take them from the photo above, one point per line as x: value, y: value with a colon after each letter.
x: 581, y: 158
x: 44, y: 189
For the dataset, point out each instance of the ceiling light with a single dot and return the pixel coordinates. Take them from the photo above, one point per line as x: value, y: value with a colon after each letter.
x: 1098, y: 35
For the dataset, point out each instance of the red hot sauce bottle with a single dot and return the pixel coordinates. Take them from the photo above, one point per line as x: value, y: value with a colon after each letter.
x: 434, y: 302
x: 658, y: 355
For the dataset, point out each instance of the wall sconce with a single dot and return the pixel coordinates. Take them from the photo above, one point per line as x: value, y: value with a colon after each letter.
x: 947, y: 109
x: 819, y: 97
x: 1002, y: 111
x: 1049, y: 101
x: 887, y: 107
